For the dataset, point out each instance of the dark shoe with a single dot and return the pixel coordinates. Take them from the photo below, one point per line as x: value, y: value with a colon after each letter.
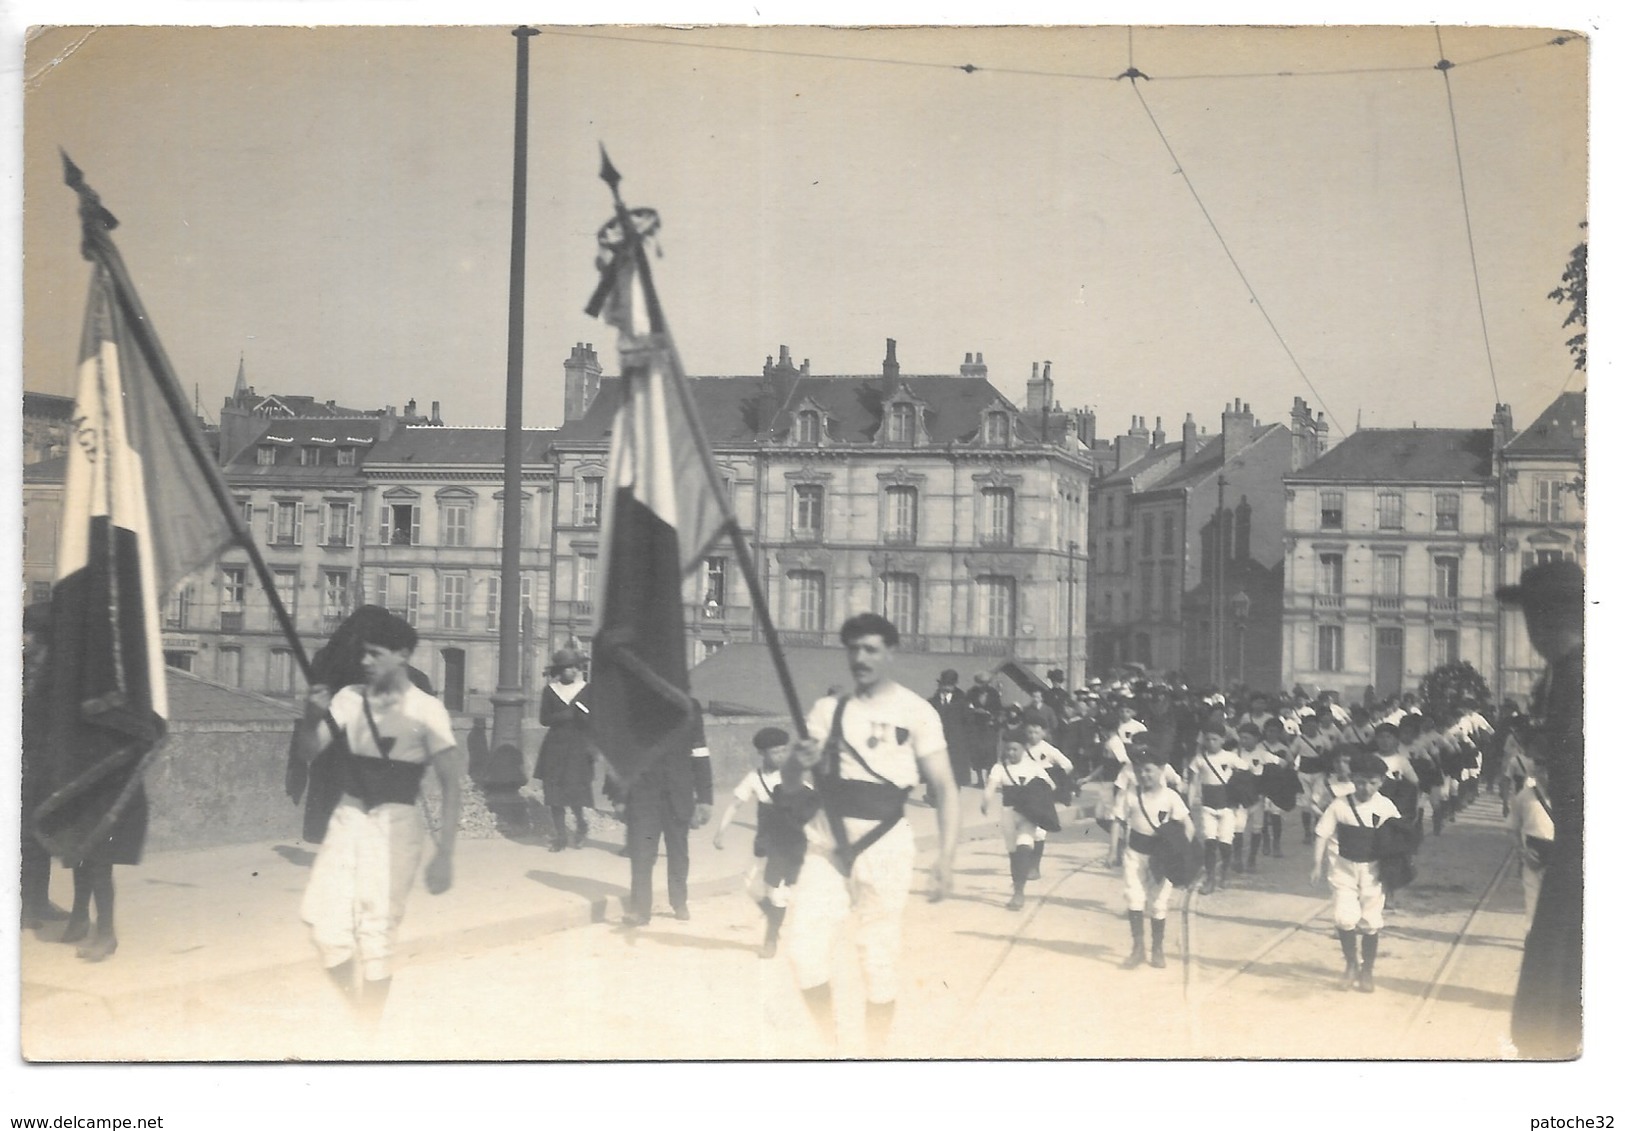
x: 1158, y: 928
x: 1207, y: 885
x: 580, y: 839
x: 98, y: 949
x: 681, y: 913
x: 1157, y: 960
x: 1034, y: 873
x: 1017, y: 902
x: 36, y: 917
x: 1136, y: 957
x: 769, y: 949
x: 76, y: 931
x: 557, y: 845
x: 634, y: 921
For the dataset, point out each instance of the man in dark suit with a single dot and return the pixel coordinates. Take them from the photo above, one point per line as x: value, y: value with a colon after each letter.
x: 950, y: 703
x: 1546, y: 1009
x: 672, y: 796
x: 983, y: 709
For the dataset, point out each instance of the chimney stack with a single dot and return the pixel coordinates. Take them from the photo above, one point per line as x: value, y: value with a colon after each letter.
x: 1501, y: 424
x: 1158, y: 436
x: 1040, y: 390
x: 889, y: 367
x: 973, y: 366
x: 1086, y: 427
x: 1236, y: 430
x: 1188, y: 443
x: 1134, y: 443
x: 582, y: 375
x: 434, y: 413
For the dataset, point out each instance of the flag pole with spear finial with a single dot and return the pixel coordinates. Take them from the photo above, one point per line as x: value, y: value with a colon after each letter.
x: 685, y: 398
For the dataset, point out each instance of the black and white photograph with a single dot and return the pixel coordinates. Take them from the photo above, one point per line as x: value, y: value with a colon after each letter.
x: 629, y: 541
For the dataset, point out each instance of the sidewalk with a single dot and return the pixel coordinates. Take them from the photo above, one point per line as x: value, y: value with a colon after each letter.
x: 191, y: 922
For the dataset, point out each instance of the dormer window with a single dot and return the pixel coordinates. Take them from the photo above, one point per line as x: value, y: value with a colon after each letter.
x: 265, y: 456
x: 998, y: 428
x: 809, y: 423
x: 900, y: 424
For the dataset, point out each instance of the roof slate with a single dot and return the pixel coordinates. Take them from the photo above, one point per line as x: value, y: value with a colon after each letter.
x: 1407, y: 455
x: 433, y: 446
x: 1560, y: 430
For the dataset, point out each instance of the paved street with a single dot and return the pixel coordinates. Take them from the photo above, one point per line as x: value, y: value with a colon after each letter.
x: 491, y: 972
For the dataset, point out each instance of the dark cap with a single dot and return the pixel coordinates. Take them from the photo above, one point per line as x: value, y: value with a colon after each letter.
x: 1550, y: 586
x: 769, y: 737
x: 1056, y: 673
x: 1367, y: 765
x: 1141, y: 755
x: 948, y: 676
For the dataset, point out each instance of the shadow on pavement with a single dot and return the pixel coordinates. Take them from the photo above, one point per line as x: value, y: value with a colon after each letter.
x: 1069, y: 947
x: 298, y: 857
x: 695, y: 942
x: 584, y: 886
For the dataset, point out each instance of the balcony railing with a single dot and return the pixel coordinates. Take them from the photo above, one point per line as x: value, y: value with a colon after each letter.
x: 807, y: 534
x: 1447, y: 605
x: 581, y: 608
x: 898, y: 537
x: 1329, y: 601
x: 1387, y: 604
x: 803, y: 639
x: 990, y: 645
x: 997, y: 538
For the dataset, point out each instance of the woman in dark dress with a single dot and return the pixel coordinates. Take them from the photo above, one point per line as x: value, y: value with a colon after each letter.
x: 565, y: 764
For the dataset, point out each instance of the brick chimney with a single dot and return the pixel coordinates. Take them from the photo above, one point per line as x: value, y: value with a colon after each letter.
x: 889, y: 367
x: 1237, y: 430
x: 1501, y: 423
x: 1308, y: 437
x: 973, y: 368
x: 434, y: 414
x: 1040, y: 390
x: 1189, y: 445
x: 1158, y: 436
x: 1133, y: 444
x: 582, y: 374
x: 1086, y: 427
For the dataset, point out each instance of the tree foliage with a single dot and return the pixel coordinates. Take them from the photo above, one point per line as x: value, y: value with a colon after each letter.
x: 1573, y: 292
x: 1448, y: 686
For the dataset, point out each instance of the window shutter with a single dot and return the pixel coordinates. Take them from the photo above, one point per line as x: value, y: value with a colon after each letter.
x: 417, y: 522
x: 383, y: 525
x: 270, y: 523
x: 321, y: 523
x: 298, y: 523
x: 412, y: 594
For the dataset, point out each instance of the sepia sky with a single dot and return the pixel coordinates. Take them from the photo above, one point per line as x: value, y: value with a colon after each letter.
x: 333, y: 204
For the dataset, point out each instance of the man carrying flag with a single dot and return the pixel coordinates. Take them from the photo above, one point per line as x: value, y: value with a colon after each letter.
x: 137, y: 517
x: 664, y: 516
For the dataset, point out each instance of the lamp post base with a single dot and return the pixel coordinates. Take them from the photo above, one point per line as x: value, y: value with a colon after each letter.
x: 505, y: 766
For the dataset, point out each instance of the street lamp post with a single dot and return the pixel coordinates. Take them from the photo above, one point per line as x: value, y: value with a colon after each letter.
x: 1218, y: 589
x: 1240, y: 606
x: 1071, y: 597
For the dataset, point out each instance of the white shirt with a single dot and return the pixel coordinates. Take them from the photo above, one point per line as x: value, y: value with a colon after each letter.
x: 1025, y: 769
x: 1529, y: 817
x: 757, y: 784
x: 416, y: 720
x: 1046, y: 756
x: 1342, y: 812
x: 893, y: 729
x: 1163, y: 805
x: 1127, y: 781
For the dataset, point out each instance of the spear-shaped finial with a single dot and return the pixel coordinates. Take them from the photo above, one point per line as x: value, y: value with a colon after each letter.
x: 608, y: 174
x: 92, y: 214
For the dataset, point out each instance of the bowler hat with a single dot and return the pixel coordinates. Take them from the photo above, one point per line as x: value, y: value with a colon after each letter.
x: 1549, y: 585
x: 948, y: 676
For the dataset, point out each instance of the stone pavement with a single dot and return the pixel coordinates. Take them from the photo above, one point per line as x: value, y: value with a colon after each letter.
x: 198, y: 924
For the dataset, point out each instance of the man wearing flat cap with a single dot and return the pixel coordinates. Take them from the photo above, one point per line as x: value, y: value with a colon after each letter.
x: 1546, y: 1010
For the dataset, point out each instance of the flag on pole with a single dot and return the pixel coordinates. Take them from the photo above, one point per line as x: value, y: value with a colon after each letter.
x: 664, y: 516
x: 137, y: 518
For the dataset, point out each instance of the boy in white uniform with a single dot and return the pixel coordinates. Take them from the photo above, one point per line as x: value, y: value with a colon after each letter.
x: 1207, y: 786
x: 781, y: 841
x: 391, y: 732
x: 860, y: 848
x: 1346, y: 854
x: 1141, y: 811
x: 1054, y: 764
x: 1016, y: 768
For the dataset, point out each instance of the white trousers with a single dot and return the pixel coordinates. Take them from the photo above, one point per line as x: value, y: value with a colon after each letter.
x: 1139, y: 885
x: 875, y: 892
x: 356, y: 897
x: 1216, y: 824
x: 1018, y: 830
x: 1357, y: 896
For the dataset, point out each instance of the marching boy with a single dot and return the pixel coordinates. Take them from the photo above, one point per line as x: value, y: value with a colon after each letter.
x: 1346, y: 853
x: 781, y: 839
x: 1141, y: 811
x: 1055, y: 765
x: 1016, y: 768
x: 1210, y: 772
x: 390, y: 732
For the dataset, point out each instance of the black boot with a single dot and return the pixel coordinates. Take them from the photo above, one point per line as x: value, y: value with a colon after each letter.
x: 1252, y: 851
x: 1225, y: 852
x: 560, y: 831
x: 1033, y: 871
x: 1238, y: 852
x: 1438, y: 820
x: 1136, y: 926
x: 1020, y: 867
x: 1308, y: 826
x: 1368, y: 959
x: 1158, y: 927
x: 821, y: 1004
x: 1351, y: 960
x: 1210, y: 861
x: 1277, y: 823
